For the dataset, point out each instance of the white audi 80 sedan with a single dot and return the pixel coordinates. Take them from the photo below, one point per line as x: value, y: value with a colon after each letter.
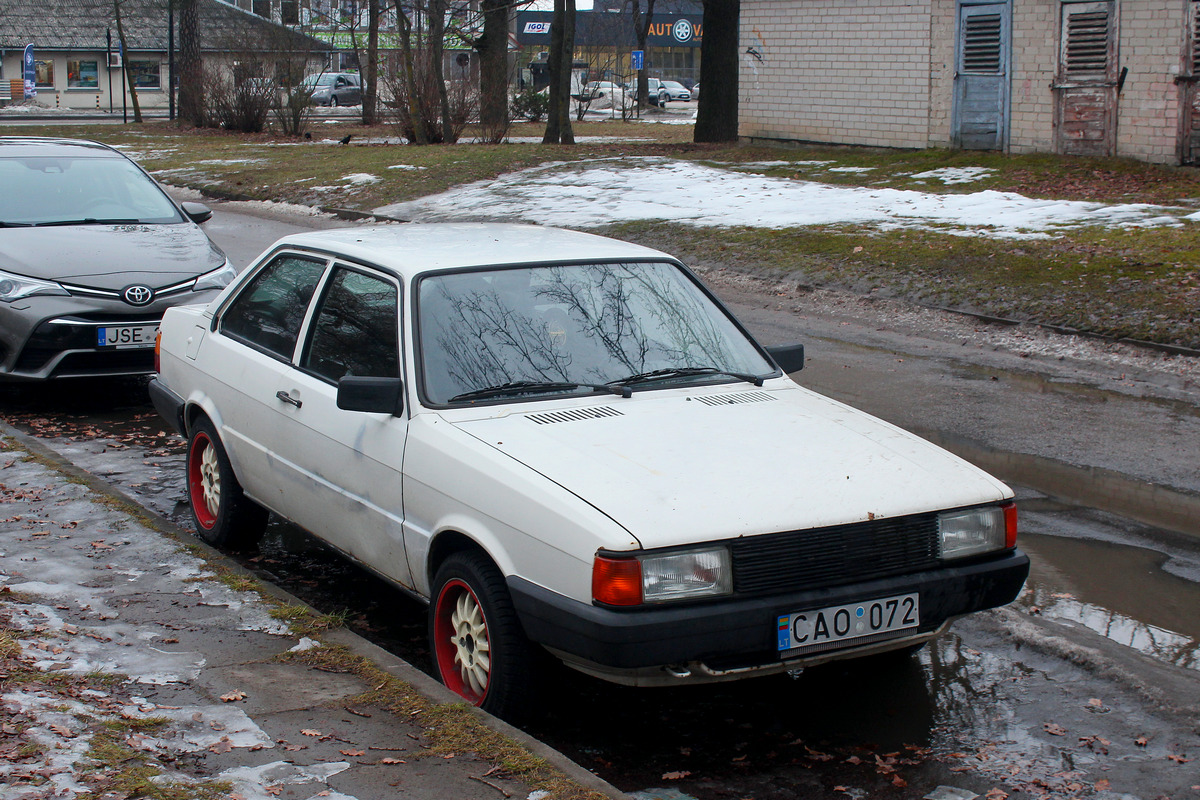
x: 564, y: 443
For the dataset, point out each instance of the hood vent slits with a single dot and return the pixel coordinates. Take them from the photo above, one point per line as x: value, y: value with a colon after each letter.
x: 573, y: 415
x: 734, y: 399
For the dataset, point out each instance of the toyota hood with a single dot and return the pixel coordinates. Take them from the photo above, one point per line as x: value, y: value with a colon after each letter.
x: 110, y: 256
x: 675, y: 466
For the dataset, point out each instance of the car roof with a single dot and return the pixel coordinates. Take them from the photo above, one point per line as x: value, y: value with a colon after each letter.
x: 410, y: 249
x: 46, y: 146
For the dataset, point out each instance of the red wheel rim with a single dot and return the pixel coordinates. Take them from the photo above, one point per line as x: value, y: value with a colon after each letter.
x: 201, y: 461
x: 462, y: 646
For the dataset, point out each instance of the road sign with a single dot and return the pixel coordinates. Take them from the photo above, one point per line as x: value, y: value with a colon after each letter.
x: 635, y: 59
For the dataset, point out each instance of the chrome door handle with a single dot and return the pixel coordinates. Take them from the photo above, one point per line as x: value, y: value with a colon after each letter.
x: 287, y: 398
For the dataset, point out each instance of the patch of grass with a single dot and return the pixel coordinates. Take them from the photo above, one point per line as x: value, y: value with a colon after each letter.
x: 1138, y: 283
x: 448, y: 728
x: 117, y: 770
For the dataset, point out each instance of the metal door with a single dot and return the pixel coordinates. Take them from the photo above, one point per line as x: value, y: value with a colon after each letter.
x: 980, y: 120
x: 1189, y: 123
x: 1086, y: 88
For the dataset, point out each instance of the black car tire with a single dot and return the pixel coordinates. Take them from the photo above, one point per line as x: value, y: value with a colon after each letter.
x: 479, y: 649
x: 333, y: 101
x: 223, y: 515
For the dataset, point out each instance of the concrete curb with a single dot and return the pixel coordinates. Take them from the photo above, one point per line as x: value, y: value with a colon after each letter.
x: 393, y: 665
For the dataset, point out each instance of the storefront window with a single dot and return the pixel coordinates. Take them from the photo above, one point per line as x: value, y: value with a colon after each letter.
x: 44, y: 74
x: 82, y: 75
x: 146, y: 74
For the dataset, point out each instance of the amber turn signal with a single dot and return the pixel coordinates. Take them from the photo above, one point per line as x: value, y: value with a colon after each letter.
x: 617, y: 581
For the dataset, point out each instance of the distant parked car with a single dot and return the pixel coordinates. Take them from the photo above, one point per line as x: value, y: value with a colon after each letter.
x: 606, y: 94
x: 675, y: 90
x: 335, y: 89
x: 695, y: 90
x: 566, y: 445
x: 92, y: 252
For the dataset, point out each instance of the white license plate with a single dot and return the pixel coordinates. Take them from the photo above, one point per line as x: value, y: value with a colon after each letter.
x: 122, y: 336
x: 825, y: 626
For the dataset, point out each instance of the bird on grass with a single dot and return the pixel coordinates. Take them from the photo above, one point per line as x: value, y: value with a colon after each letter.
x: 308, y: 134
x: 346, y: 139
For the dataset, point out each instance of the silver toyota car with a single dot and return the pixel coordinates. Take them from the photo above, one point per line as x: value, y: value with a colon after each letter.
x: 92, y: 252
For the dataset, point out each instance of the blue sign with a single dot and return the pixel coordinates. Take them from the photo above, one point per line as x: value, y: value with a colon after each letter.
x: 635, y: 59
x: 28, y: 72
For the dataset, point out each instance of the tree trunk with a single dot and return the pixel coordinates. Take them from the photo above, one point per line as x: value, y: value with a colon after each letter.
x: 492, y: 47
x: 409, y: 72
x: 191, y: 78
x: 717, y: 115
x: 371, y: 73
x: 133, y: 98
x: 437, y: 51
x: 562, y: 56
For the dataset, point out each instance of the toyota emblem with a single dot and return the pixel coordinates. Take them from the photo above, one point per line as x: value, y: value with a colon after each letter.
x: 138, y: 295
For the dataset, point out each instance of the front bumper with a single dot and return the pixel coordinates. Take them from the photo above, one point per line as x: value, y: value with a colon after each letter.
x: 56, y: 337
x: 739, y: 634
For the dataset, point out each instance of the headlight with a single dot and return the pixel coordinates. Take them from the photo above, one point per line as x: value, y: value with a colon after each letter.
x: 14, y: 287
x: 656, y: 578
x: 217, y: 279
x: 977, y: 530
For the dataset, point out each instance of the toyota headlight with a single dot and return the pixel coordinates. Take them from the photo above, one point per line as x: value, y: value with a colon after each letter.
x: 662, y: 577
x: 217, y: 279
x: 977, y: 530
x: 14, y: 287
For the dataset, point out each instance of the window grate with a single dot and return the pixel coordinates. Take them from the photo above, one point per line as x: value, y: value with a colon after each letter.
x: 1087, y: 42
x: 981, y: 43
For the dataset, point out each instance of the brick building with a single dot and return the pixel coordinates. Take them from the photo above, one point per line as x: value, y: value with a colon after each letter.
x: 1088, y: 77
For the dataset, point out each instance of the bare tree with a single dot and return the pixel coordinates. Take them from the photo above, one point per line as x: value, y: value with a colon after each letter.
x: 125, y: 70
x: 641, y: 30
x: 371, y: 72
x: 562, y: 52
x: 191, y: 68
x: 717, y: 115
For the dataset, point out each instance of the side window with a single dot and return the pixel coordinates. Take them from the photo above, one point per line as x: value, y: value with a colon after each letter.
x: 269, y: 311
x: 356, y: 329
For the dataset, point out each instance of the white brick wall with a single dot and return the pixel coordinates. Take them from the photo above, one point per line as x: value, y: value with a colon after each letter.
x: 836, y: 71
x: 845, y: 71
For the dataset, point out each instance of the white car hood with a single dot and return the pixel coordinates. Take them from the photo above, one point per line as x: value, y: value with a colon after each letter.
x: 683, y: 466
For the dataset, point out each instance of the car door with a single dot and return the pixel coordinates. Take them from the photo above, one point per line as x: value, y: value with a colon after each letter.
x: 253, y: 348
x: 345, y: 466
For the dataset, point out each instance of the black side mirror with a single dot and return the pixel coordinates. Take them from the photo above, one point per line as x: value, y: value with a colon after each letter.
x: 373, y: 395
x: 789, y: 357
x: 197, y: 212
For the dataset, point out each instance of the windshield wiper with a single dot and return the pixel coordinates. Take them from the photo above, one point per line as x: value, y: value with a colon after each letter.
x: 85, y: 221
x: 4, y: 224
x: 531, y: 387
x: 685, y: 372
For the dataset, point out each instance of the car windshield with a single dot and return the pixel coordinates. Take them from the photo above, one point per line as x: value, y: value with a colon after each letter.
x: 63, y: 191
x: 530, y: 331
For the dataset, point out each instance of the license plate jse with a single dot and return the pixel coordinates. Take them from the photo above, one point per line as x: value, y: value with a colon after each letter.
x: 822, y: 626
x: 126, y: 336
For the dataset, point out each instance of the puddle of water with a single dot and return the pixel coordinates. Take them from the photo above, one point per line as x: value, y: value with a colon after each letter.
x: 1118, y: 591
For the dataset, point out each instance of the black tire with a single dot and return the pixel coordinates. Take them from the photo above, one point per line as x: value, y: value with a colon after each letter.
x: 333, y: 101
x: 662, y: 99
x: 223, y: 515
x: 478, y: 648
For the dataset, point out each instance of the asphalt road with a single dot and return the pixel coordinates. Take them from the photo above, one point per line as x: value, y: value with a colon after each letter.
x: 1088, y: 686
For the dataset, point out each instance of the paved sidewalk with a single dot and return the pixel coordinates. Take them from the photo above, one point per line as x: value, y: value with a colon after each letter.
x: 129, y: 660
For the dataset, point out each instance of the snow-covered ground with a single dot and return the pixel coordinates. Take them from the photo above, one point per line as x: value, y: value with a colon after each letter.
x: 607, y: 191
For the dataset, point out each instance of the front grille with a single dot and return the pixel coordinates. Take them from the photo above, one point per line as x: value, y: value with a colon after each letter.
x: 114, y: 362
x: 834, y: 556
